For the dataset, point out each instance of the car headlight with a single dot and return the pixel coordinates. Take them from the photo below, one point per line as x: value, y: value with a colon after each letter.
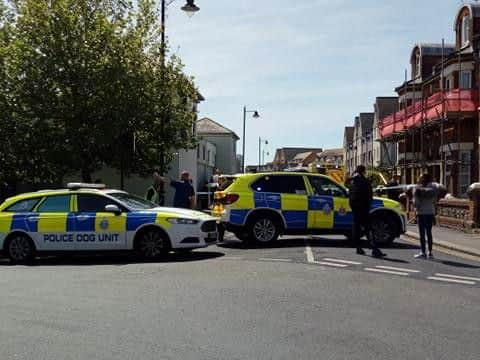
x: 182, y: 221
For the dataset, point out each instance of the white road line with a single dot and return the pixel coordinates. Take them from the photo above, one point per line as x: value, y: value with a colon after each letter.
x: 458, y: 277
x: 451, y: 280
x: 326, y: 263
x: 397, y: 269
x: 272, y: 259
x: 387, y: 271
x: 343, y: 261
x: 231, y: 258
x: 309, y: 252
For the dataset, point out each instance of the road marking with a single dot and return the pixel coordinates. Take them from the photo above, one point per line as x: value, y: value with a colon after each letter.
x: 272, y: 259
x: 458, y: 277
x: 330, y: 264
x: 343, y: 261
x: 387, y: 271
x: 451, y: 280
x: 231, y: 258
x: 309, y: 252
x: 397, y: 269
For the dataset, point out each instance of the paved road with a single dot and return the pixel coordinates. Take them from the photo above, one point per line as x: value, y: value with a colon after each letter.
x: 306, y: 298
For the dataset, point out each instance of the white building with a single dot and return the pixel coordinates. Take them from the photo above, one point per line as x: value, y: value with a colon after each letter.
x: 225, y: 141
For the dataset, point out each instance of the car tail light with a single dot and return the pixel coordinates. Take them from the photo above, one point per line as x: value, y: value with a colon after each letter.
x: 230, y: 199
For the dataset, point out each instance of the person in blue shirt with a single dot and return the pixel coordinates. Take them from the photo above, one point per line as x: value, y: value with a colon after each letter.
x: 184, y: 192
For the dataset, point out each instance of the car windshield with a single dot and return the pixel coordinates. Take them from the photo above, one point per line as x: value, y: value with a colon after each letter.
x: 133, y: 202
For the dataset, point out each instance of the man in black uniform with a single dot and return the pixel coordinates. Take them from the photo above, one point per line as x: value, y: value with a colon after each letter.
x: 360, y: 200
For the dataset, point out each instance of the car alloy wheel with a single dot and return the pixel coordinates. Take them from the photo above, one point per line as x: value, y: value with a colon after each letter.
x: 264, y: 230
x: 20, y: 249
x: 382, y: 231
x: 152, y: 245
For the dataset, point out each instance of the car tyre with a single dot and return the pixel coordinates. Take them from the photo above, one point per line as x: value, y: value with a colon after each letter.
x: 383, y: 230
x: 20, y: 249
x: 152, y: 244
x: 264, y: 230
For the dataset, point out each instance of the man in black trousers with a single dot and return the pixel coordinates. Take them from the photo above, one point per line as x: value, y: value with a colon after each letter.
x: 361, y: 196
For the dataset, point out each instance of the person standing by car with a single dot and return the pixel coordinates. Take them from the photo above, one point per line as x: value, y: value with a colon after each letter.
x: 424, y: 200
x: 184, y: 192
x: 361, y: 196
x: 156, y: 192
x: 393, y: 188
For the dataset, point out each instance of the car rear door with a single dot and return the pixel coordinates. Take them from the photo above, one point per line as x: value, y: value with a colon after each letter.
x: 50, y: 225
x: 96, y: 229
x: 285, y: 193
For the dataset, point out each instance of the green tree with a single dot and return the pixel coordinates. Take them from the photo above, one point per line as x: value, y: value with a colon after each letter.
x: 84, y: 76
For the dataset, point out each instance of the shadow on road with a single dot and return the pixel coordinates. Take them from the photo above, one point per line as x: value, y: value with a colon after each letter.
x: 458, y: 264
x: 314, y: 242
x: 112, y: 259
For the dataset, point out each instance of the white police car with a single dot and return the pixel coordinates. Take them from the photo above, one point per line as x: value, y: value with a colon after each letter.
x: 88, y: 217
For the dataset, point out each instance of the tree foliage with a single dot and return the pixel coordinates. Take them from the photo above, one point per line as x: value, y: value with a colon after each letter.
x: 79, y: 81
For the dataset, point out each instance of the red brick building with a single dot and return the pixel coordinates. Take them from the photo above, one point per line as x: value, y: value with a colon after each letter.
x: 437, y: 126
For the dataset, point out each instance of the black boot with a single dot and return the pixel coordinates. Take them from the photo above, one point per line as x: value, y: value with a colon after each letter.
x: 377, y: 253
x: 360, y: 251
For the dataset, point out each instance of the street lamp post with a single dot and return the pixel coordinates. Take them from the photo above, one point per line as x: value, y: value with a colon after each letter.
x: 260, y: 142
x: 190, y: 8
x: 255, y: 116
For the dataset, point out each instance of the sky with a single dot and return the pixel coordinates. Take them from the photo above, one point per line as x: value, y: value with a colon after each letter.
x: 308, y: 66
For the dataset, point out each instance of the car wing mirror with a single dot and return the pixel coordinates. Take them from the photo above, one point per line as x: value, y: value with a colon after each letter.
x: 113, y: 209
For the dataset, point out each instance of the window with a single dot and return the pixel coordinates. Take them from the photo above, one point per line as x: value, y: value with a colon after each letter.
x: 203, y: 149
x: 464, y: 173
x: 59, y: 203
x: 448, y: 84
x: 465, y: 30
x: 417, y: 65
x: 326, y: 187
x: 465, y: 79
x: 286, y: 184
x: 93, y: 203
x: 23, y: 205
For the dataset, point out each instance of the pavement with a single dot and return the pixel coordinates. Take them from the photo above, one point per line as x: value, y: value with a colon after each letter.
x: 301, y: 298
x: 450, y: 240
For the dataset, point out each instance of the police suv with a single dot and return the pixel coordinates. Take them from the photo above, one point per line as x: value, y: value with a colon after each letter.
x: 262, y: 206
x: 88, y: 217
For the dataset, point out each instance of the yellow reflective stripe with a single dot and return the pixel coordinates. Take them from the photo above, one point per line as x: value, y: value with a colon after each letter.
x: 311, y: 223
x: 322, y: 220
x: 245, y: 201
x: 5, y: 222
x: 162, y: 220
x: 52, y: 222
x: 341, y: 204
x: 294, y: 202
x: 74, y: 203
x: 108, y: 222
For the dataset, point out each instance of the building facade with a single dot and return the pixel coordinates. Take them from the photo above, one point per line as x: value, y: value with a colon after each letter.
x: 437, y: 125
x: 284, y: 157
x: 384, y: 153
x: 225, y: 141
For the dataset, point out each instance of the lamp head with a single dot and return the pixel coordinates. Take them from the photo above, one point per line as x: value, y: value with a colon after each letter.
x: 190, y: 8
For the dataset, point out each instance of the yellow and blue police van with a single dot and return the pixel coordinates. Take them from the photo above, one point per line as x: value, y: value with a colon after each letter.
x: 262, y: 206
x: 88, y: 217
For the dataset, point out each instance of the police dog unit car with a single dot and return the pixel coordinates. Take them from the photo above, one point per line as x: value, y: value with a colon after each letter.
x: 88, y: 217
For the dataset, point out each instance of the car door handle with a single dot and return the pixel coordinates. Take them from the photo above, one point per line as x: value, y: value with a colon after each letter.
x: 33, y: 218
x: 82, y: 217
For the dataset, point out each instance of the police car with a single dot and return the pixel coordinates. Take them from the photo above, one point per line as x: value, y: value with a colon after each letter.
x: 260, y: 207
x: 88, y: 217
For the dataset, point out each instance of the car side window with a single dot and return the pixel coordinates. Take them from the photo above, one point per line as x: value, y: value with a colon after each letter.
x: 284, y: 184
x: 57, y: 203
x: 93, y: 203
x: 23, y: 205
x: 325, y: 187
